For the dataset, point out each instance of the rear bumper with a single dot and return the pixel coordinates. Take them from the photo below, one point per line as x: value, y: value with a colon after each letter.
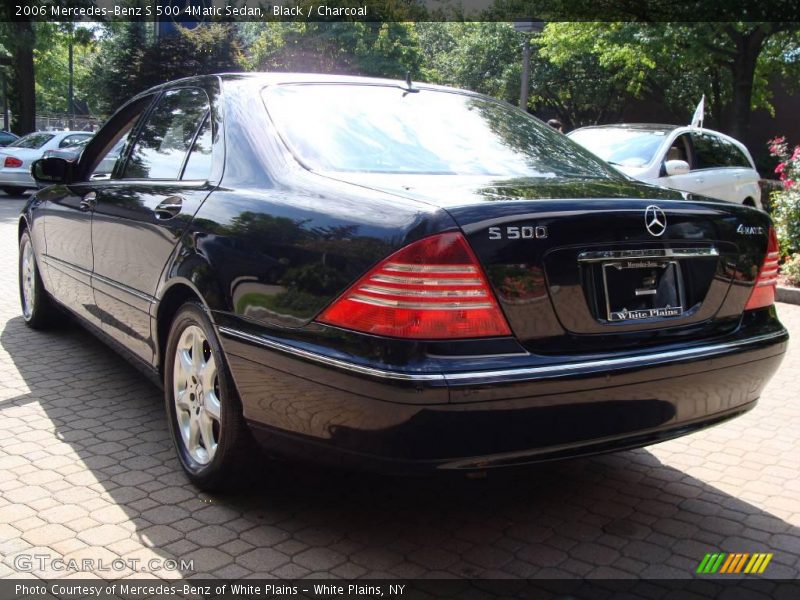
x: 312, y: 406
x: 20, y: 178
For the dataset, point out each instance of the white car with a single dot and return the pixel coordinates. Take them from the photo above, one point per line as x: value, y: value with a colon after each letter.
x: 16, y: 158
x: 690, y: 159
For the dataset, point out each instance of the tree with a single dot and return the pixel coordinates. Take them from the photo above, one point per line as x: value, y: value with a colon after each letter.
x: 381, y: 49
x: 484, y: 56
x: 678, y: 62
x: 117, y: 69
x: 19, y: 39
x: 133, y: 62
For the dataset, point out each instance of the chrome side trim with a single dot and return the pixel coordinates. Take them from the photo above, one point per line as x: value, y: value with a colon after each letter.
x: 52, y: 260
x: 124, y: 288
x: 610, y: 363
x: 603, y: 255
x: 499, y: 376
x: 328, y: 361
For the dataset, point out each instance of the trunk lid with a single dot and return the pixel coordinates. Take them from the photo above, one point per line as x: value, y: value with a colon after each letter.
x: 600, y: 265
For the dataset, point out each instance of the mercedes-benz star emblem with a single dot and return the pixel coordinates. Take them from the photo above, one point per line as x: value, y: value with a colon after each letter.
x: 655, y: 220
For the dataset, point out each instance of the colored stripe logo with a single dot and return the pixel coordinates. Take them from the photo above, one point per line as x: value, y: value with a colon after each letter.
x: 731, y: 563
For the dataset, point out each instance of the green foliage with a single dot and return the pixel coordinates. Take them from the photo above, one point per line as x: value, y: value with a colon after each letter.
x: 484, y: 57
x: 119, y: 63
x: 791, y: 270
x: 675, y: 63
x: 51, y: 61
x: 381, y: 49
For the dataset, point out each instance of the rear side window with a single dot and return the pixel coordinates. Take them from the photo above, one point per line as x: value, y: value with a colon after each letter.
x: 713, y: 152
x: 72, y: 140
x: 735, y: 156
x: 198, y: 165
x: 165, y: 139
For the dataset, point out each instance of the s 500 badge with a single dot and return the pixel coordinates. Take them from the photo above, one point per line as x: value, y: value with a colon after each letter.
x: 525, y: 232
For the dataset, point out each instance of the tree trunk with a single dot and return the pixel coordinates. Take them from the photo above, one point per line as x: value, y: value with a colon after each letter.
x: 23, y: 89
x: 743, y: 69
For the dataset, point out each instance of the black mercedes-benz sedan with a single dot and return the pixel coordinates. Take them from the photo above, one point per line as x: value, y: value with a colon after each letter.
x: 396, y: 275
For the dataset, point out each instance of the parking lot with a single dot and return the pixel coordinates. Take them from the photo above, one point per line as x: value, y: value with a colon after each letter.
x: 87, y: 472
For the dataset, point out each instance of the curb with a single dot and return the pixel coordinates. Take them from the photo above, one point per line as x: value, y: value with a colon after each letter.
x: 787, y: 294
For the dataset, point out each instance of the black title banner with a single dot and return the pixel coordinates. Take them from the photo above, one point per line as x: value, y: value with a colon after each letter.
x: 193, y: 11
x: 206, y: 589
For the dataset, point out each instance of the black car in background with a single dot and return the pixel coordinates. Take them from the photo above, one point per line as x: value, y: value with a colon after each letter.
x: 6, y: 137
x: 397, y: 276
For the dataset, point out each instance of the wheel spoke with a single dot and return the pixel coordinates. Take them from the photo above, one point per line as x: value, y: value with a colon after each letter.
x: 212, y: 406
x: 182, y: 400
x: 194, y: 434
x: 183, y: 366
x: 197, y: 352
x: 207, y: 433
x: 208, y: 374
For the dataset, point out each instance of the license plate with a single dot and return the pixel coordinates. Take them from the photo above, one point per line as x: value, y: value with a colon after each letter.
x: 642, y: 289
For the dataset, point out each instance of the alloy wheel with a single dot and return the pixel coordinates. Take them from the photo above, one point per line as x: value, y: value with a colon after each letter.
x: 197, y: 396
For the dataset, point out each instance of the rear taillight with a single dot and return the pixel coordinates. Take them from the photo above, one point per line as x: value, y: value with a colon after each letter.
x: 431, y: 289
x: 12, y: 161
x: 763, y: 293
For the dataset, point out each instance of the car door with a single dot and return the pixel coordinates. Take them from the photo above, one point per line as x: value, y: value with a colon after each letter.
x: 142, y: 210
x: 68, y: 257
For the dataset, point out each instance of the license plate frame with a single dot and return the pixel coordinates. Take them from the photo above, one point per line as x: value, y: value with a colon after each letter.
x: 660, y: 295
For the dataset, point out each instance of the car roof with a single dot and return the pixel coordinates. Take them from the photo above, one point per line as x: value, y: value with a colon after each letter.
x: 275, y: 78
x: 639, y: 126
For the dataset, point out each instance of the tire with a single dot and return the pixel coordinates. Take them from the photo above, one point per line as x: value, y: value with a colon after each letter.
x: 206, y: 422
x: 14, y: 191
x: 38, y: 309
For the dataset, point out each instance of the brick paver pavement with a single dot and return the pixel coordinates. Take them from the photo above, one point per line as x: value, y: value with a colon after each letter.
x: 87, y: 472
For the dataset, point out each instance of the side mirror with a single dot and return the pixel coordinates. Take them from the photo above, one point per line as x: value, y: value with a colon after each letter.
x: 47, y: 171
x: 676, y: 167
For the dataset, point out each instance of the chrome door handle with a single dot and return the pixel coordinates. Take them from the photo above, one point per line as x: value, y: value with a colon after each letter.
x: 88, y: 202
x: 169, y: 207
x: 700, y: 180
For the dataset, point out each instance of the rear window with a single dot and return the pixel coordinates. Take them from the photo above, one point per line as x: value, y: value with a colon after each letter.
x: 387, y: 129
x: 32, y: 140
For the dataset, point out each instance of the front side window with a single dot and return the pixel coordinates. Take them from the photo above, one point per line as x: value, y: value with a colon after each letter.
x: 713, y: 152
x: 112, y: 156
x: 32, y: 140
x: 679, y: 150
x: 165, y: 139
x: 387, y: 129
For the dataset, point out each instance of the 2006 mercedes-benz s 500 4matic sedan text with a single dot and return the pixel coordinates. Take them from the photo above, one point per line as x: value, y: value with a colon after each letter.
x: 399, y: 276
